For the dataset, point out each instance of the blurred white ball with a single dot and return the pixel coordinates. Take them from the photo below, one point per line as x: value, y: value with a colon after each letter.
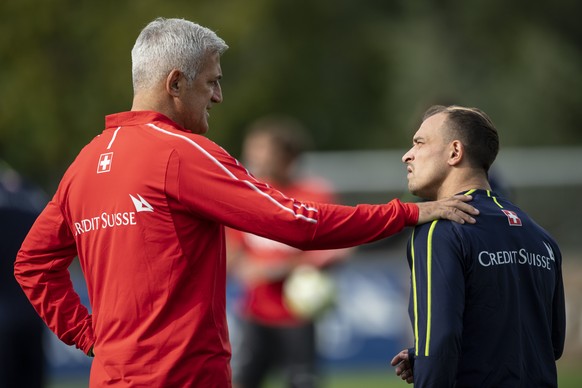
x: 308, y: 292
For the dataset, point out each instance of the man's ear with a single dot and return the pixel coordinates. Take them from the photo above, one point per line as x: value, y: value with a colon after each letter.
x: 173, y: 83
x: 456, y: 152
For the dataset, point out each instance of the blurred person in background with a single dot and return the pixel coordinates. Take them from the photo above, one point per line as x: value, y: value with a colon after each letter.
x: 273, y: 334
x: 144, y: 206
x: 487, y: 300
x: 22, y: 362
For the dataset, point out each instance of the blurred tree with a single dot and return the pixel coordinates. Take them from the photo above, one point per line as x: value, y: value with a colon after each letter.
x: 357, y: 73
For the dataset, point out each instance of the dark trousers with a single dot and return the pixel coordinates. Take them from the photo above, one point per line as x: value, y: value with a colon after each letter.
x: 263, y: 348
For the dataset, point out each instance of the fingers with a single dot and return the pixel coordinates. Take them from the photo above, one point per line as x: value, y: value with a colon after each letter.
x: 407, y: 376
x: 397, y: 359
x: 462, y: 197
x: 460, y: 213
x: 403, y: 368
x: 455, y: 209
x: 463, y: 206
x: 402, y: 356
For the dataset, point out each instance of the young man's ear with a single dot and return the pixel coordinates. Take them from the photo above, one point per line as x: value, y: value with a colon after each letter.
x: 457, y: 152
x: 173, y: 83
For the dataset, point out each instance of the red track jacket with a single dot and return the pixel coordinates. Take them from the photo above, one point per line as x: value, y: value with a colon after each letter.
x: 143, y: 207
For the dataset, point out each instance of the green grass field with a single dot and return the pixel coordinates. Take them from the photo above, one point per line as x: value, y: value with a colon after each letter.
x: 569, y: 377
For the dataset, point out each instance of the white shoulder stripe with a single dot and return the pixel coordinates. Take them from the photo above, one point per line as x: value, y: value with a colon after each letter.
x: 197, y: 146
x: 274, y: 201
x: 306, y: 207
x: 113, y: 137
x: 231, y: 175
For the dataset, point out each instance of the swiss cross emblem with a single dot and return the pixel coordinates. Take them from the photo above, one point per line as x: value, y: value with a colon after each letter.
x: 104, y: 164
x: 512, y: 217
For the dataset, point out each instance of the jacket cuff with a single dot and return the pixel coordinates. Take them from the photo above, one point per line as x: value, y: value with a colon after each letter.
x: 411, y: 212
x: 411, y: 357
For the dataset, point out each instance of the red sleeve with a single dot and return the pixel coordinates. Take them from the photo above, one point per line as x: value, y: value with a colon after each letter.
x: 215, y: 185
x: 41, y: 268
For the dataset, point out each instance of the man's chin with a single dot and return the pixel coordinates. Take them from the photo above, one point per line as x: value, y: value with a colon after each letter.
x: 200, y: 130
x: 414, y: 191
x: 421, y: 194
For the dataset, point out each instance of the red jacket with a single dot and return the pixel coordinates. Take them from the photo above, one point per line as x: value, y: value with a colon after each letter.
x: 143, y: 207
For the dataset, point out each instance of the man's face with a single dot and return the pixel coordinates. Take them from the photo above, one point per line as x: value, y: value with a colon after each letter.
x: 200, y: 94
x: 263, y: 159
x: 427, y: 159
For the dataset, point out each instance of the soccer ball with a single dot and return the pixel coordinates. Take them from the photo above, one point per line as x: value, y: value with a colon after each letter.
x: 308, y: 292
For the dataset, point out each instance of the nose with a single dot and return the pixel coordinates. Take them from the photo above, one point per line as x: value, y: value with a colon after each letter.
x: 217, y: 95
x: 407, y: 157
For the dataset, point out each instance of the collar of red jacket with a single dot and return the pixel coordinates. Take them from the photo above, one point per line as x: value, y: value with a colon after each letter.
x: 139, y: 118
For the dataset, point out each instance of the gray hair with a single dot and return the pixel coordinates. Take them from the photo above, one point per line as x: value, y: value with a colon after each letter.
x: 167, y: 44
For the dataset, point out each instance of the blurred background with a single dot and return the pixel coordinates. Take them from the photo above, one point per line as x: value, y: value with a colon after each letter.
x: 359, y: 75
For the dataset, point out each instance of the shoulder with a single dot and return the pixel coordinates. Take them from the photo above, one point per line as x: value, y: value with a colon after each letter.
x: 445, y: 239
x: 439, y: 241
x: 439, y: 227
x: 179, y: 137
x: 439, y: 232
x: 188, y: 145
